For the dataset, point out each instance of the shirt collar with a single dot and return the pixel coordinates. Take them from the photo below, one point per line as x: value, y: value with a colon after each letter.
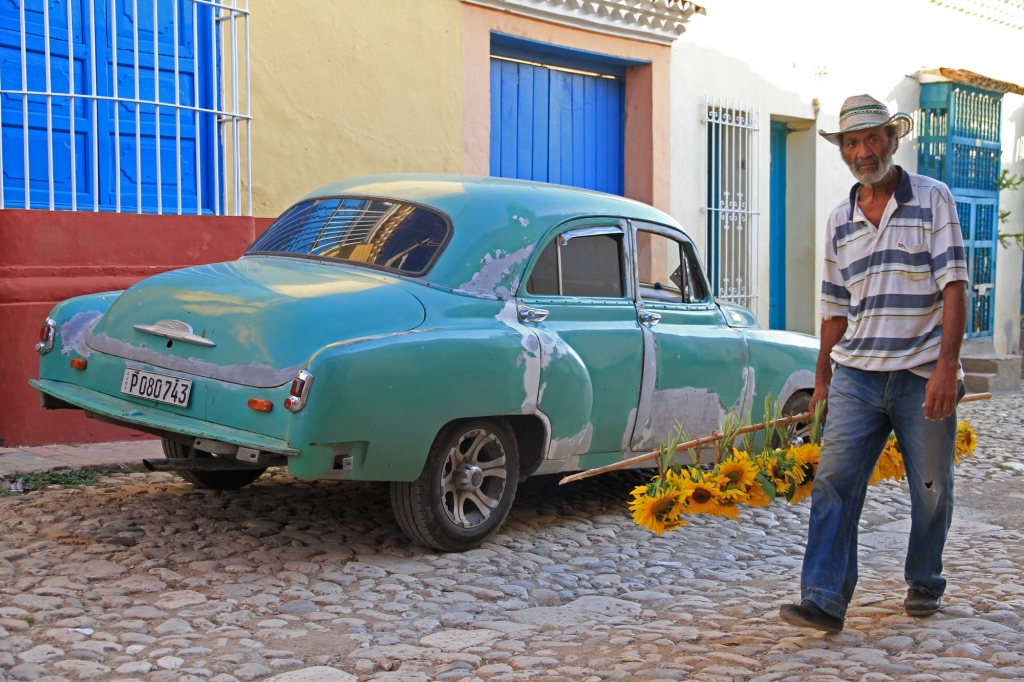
x: 904, y: 193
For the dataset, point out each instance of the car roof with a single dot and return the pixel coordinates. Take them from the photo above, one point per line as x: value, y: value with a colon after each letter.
x: 497, y: 221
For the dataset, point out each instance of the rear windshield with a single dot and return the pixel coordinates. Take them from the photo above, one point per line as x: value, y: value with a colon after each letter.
x: 384, y: 233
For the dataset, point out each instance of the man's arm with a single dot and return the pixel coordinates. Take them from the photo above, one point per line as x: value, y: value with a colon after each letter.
x: 940, y: 393
x: 832, y: 331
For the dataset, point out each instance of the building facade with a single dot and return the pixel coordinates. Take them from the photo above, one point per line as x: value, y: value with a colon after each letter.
x: 143, y: 135
x: 943, y: 62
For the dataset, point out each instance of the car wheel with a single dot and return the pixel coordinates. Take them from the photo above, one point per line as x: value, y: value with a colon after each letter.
x: 466, y: 488
x: 212, y: 480
x: 797, y: 404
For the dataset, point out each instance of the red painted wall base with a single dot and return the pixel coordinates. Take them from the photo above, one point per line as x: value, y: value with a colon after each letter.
x: 48, y: 256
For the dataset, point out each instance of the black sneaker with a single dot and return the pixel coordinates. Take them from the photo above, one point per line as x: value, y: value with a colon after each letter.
x: 920, y: 603
x: 807, y: 614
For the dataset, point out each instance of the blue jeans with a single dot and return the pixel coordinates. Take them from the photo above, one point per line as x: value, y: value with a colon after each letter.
x: 863, y: 408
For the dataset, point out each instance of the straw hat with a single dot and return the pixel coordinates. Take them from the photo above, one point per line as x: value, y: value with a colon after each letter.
x: 864, y: 111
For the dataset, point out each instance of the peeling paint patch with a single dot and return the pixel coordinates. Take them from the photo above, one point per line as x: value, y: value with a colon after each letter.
x: 579, y: 444
x: 627, y: 435
x: 801, y: 379
x: 73, y: 333
x: 499, y: 274
x: 745, y: 404
x: 699, y: 409
x: 529, y: 359
x: 551, y: 346
x: 255, y: 375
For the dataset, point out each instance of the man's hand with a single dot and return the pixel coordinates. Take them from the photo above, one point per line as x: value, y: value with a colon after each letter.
x: 940, y: 393
x: 819, y: 395
x: 832, y: 331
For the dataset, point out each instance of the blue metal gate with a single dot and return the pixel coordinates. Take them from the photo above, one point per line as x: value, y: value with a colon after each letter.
x: 556, y: 125
x: 960, y: 145
x: 110, y: 116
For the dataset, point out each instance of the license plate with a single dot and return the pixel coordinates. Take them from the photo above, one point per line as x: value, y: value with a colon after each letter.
x: 158, y: 387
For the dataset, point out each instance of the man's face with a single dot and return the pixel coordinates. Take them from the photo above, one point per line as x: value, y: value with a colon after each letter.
x: 868, y: 153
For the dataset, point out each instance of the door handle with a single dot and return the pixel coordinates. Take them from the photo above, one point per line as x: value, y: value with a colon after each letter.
x: 648, y: 318
x: 528, y: 314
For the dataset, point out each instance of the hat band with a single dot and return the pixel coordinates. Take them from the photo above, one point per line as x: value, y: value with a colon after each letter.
x: 865, y: 109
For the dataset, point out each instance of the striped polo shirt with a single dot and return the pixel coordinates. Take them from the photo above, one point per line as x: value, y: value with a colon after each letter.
x: 888, y: 280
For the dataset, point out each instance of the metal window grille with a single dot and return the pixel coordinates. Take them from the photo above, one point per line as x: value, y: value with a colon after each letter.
x: 732, y: 173
x: 959, y: 144
x: 125, y: 105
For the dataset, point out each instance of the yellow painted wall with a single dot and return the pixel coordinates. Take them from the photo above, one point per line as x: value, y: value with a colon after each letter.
x: 347, y: 87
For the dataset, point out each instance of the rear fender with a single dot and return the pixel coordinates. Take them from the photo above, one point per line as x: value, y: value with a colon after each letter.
x: 382, y: 401
x: 75, y: 319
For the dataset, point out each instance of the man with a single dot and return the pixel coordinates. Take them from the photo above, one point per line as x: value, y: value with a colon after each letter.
x: 893, y: 307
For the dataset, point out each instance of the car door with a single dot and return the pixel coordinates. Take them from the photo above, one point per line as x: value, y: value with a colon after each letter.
x: 695, y: 365
x: 579, y: 298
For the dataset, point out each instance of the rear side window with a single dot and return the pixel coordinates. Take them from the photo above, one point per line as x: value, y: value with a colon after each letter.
x: 388, y: 234
x: 589, y: 267
x: 668, y: 270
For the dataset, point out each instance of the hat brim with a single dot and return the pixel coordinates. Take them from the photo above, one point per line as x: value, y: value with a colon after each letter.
x: 903, y: 122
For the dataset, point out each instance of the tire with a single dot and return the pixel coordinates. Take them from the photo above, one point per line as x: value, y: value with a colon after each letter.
x: 797, y: 403
x: 456, y: 504
x: 210, y: 480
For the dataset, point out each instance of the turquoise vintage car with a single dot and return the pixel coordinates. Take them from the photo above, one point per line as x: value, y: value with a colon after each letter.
x: 451, y: 335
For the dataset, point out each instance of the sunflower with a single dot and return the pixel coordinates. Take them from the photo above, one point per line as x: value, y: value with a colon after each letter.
x: 890, y: 463
x: 806, y: 458
x: 966, y: 440
x: 757, y: 497
x: 657, y: 506
x: 705, y: 497
x: 802, y: 492
x: 737, y: 471
x: 775, y: 470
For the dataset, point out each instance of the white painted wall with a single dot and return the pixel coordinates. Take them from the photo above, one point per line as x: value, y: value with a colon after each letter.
x: 784, y: 57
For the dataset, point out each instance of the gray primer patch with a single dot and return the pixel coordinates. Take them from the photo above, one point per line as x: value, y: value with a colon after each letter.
x: 492, y: 278
x: 73, y: 333
x: 800, y: 379
x: 257, y: 376
x: 579, y: 444
x: 697, y: 408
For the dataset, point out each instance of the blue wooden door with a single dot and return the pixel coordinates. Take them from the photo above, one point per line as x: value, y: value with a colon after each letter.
x: 777, y: 229
x: 556, y: 126
x: 978, y: 220
x: 105, y: 143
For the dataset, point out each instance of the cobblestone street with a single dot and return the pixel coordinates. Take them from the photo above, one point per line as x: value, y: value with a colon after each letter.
x: 146, y: 578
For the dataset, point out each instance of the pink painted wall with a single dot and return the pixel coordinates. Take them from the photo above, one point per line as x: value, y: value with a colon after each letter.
x: 48, y: 256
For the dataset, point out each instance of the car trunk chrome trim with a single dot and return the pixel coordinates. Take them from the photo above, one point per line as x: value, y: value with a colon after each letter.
x: 174, y: 329
x: 257, y: 376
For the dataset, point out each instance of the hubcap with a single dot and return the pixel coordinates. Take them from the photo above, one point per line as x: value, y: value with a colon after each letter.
x: 473, y: 478
x: 470, y: 477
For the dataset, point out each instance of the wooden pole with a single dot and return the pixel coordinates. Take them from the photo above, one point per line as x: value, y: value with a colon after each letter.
x: 701, y: 442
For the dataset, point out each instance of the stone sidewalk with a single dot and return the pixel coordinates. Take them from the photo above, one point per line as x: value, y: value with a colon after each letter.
x: 15, y: 462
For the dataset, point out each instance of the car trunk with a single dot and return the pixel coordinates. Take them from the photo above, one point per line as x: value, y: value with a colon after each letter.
x: 267, y: 316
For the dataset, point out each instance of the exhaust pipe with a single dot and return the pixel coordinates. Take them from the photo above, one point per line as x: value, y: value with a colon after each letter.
x: 209, y: 464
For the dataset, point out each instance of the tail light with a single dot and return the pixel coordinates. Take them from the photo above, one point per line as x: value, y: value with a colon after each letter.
x: 260, y: 405
x: 296, y: 399
x: 46, y: 335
